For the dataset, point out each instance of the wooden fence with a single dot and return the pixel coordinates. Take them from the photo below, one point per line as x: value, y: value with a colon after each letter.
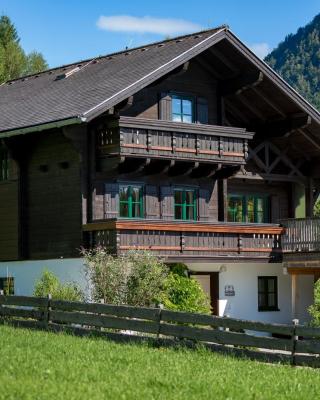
x: 294, y: 344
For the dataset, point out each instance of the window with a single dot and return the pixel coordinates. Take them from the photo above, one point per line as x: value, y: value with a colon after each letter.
x: 4, y: 165
x: 131, y: 201
x: 7, y: 285
x: 267, y: 293
x: 249, y: 208
x: 185, y: 206
x: 182, y: 108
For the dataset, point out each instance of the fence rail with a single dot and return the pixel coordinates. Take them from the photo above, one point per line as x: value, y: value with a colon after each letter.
x: 295, y: 344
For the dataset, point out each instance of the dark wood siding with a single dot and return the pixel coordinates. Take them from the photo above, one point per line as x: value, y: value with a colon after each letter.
x: 9, y: 215
x: 158, y: 197
x: 54, y: 198
x: 154, y: 103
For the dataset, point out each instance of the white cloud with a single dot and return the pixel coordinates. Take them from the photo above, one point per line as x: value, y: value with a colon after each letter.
x: 161, y: 26
x: 260, y: 49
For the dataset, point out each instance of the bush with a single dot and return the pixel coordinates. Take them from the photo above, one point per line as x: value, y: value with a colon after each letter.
x: 314, y: 310
x: 146, y: 280
x: 107, y: 276
x: 136, y: 278
x: 50, y: 284
x: 183, y: 293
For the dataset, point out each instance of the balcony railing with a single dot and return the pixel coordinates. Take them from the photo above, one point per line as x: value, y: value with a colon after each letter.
x: 159, y: 139
x: 301, y: 235
x: 190, y: 240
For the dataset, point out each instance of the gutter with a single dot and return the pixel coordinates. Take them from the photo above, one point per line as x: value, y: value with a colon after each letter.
x: 42, y: 127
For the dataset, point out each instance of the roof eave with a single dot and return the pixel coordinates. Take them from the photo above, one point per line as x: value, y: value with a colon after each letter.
x: 42, y: 127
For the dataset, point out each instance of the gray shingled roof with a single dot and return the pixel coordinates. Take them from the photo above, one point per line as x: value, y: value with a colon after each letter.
x: 32, y: 102
x: 41, y: 99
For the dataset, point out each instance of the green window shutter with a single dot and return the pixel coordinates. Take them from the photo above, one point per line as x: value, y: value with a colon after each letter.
x: 202, y: 110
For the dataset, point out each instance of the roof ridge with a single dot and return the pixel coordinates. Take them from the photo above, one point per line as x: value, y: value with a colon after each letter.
x: 223, y: 26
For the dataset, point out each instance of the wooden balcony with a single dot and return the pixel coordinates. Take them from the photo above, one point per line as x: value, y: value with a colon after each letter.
x: 157, y: 139
x: 175, y: 240
x: 301, y: 245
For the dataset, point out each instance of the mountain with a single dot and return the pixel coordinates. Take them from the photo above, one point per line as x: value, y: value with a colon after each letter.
x: 297, y: 60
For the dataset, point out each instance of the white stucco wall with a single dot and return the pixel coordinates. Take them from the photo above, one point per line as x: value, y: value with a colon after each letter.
x: 244, y: 278
x: 26, y: 273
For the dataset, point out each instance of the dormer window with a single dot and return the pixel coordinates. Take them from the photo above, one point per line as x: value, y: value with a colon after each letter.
x: 182, y: 108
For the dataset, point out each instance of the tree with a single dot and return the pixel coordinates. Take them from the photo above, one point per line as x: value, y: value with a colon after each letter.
x: 13, y: 60
x: 297, y: 60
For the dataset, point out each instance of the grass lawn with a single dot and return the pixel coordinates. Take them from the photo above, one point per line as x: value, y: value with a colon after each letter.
x: 40, y: 365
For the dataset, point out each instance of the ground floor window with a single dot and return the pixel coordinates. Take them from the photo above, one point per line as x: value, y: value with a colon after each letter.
x: 131, y: 201
x: 248, y: 208
x: 268, y: 293
x: 7, y: 285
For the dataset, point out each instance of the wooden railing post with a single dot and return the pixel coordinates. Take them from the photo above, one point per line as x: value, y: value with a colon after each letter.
x: 295, y: 338
x: 239, y: 243
x: 182, y: 242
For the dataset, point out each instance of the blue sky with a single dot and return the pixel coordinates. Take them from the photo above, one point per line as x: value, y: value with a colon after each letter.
x: 70, y: 30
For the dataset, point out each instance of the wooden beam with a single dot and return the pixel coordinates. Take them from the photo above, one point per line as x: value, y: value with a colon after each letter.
x: 271, y: 103
x: 144, y: 225
x: 237, y: 85
x: 208, y: 67
x: 283, y: 127
x: 236, y: 113
x: 310, y: 139
x: 252, y: 108
x: 226, y: 172
x: 227, y: 62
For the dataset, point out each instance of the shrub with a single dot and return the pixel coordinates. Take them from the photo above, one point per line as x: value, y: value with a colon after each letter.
x: 135, y: 278
x: 146, y: 280
x: 107, y: 275
x: 50, y: 284
x: 314, y: 310
x: 183, y: 293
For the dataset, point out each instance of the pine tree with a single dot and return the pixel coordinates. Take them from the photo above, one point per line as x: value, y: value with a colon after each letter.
x: 297, y: 60
x: 13, y: 60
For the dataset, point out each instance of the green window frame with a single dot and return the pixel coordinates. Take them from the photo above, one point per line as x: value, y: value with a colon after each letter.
x: 185, y: 204
x: 4, y: 164
x: 252, y: 208
x: 7, y: 285
x: 183, y: 108
x: 268, y: 293
x: 131, y: 201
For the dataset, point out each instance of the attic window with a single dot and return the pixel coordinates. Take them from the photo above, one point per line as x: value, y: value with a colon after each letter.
x: 67, y: 73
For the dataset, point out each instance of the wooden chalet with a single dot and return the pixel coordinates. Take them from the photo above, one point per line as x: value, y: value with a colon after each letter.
x: 192, y: 148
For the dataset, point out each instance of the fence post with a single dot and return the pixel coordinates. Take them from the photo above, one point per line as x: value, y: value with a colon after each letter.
x: 295, y: 338
x: 159, y: 320
x: 46, y: 316
x: 1, y: 304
